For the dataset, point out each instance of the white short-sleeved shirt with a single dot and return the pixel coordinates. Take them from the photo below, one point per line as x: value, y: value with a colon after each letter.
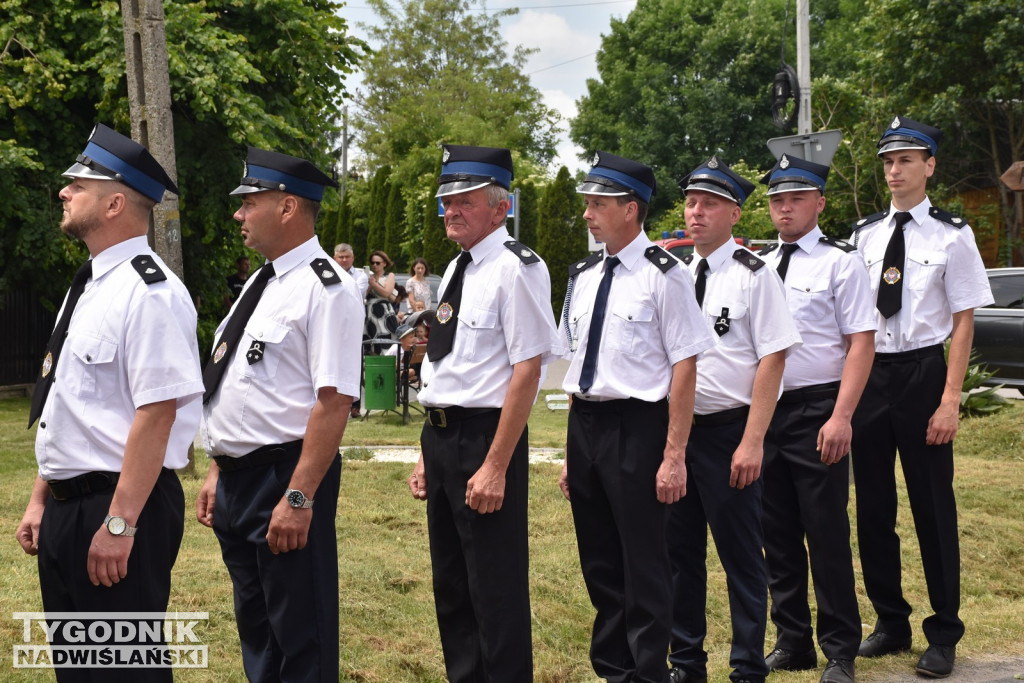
x: 751, y: 302
x: 129, y: 344
x: 829, y: 296
x: 312, y: 333
x: 361, y: 280
x: 505, y: 318
x: 651, y: 323
x: 944, y: 274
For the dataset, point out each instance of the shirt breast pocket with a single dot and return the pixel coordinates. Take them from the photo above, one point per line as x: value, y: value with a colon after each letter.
x: 924, y: 269
x: 92, y: 373
x: 808, y: 297
x: 722, y: 315
x: 629, y: 326
x: 476, y: 338
x: 261, y: 348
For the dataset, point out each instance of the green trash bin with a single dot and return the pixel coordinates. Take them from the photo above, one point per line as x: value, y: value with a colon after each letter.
x: 380, y: 383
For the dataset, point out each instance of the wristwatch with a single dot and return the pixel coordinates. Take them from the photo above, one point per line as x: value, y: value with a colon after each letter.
x: 297, y: 499
x: 118, y: 527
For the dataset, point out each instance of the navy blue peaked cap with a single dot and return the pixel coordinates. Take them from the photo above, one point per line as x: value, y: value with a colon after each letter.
x: 465, y: 168
x: 793, y: 174
x: 904, y: 133
x: 715, y: 176
x: 617, y: 177
x: 109, y: 155
x: 265, y: 170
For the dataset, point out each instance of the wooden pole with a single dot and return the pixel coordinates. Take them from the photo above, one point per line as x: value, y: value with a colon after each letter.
x: 149, y: 97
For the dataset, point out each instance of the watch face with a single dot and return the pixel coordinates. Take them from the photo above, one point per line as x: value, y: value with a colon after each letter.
x: 116, y: 526
x: 296, y: 498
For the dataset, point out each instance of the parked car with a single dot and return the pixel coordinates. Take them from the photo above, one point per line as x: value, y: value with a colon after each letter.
x: 999, y: 328
x: 433, y: 279
x: 679, y: 245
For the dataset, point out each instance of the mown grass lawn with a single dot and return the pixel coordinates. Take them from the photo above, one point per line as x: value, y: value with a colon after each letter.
x: 388, y: 632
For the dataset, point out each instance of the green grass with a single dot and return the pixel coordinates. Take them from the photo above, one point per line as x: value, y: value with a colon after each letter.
x: 388, y: 632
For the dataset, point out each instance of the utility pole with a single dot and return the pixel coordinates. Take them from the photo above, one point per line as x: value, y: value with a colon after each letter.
x: 803, y: 65
x: 149, y: 98
x: 344, y: 150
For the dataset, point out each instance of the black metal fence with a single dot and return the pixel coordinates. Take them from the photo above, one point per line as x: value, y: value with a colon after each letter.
x: 27, y: 325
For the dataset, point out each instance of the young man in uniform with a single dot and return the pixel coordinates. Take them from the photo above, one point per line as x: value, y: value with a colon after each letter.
x: 118, y: 403
x: 494, y: 332
x: 279, y: 386
x: 738, y: 382
x: 927, y: 277
x: 806, y: 475
x: 634, y: 331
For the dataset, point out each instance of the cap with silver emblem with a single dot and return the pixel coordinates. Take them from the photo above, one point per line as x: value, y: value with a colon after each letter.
x: 793, y: 174
x: 265, y: 170
x: 617, y: 176
x: 904, y: 133
x: 465, y: 168
x: 715, y: 176
x: 109, y: 155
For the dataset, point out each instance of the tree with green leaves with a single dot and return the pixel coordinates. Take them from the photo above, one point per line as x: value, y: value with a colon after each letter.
x: 264, y: 74
x: 561, y: 233
x: 528, y: 211
x: 681, y: 80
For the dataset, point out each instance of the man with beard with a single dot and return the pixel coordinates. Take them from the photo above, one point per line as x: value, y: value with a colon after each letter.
x: 117, y: 400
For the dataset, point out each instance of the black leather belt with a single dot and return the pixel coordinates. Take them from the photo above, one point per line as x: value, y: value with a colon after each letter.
x: 722, y: 417
x: 264, y: 455
x: 913, y: 354
x: 616, y: 405
x: 83, y: 485
x: 442, y: 417
x: 815, y: 392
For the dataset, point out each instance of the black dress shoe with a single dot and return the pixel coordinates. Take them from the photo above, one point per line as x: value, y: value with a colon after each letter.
x: 936, y: 662
x: 838, y: 671
x: 677, y: 675
x: 880, y: 643
x: 788, y: 660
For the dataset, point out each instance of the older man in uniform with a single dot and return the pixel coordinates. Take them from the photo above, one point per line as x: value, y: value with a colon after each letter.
x: 806, y: 478
x: 279, y: 386
x: 118, y: 405
x: 634, y: 332
x: 493, y: 334
x: 738, y: 382
x: 912, y: 400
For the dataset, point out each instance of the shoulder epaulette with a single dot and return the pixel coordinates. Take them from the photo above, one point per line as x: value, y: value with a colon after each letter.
x: 838, y: 243
x: 748, y: 259
x: 581, y: 265
x: 525, y: 254
x: 946, y: 217
x: 868, y: 220
x: 688, y: 258
x: 663, y: 260
x: 768, y: 249
x: 324, y: 271
x: 148, y: 269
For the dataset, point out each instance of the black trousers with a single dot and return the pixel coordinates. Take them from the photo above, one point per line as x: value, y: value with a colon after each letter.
x: 286, y: 605
x: 900, y: 397
x: 614, y: 451
x: 65, y: 535
x: 734, y: 517
x: 805, y: 498
x: 480, y: 561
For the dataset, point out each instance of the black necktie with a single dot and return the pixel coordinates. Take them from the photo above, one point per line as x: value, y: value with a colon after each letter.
x: 702, y: 280
x: 224, y: 349
x: 890, y: 289
x: 56, y: 343
x: 597, y: 326
x: 442, y: 335
x: 787, y: 251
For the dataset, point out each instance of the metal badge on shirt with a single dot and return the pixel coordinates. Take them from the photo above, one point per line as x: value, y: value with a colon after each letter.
x: 722, y: 323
